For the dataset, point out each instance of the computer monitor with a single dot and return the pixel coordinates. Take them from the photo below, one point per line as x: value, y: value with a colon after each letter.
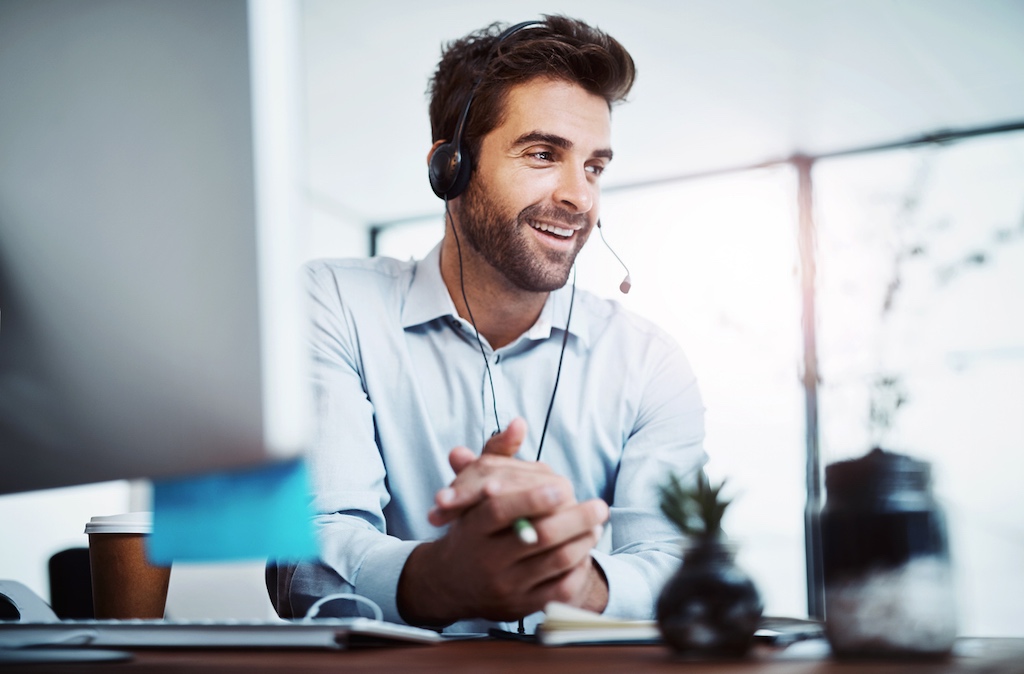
x: 150, y: 311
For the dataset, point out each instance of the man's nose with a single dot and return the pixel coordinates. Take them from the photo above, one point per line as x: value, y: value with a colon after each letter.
x: 575, y: 191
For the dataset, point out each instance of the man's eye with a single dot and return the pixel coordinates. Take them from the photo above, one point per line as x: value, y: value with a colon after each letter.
x: 543, y: 156
x: 596, y: 169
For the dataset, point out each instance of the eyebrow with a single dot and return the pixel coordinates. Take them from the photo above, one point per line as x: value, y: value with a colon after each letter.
x: 560, y: 142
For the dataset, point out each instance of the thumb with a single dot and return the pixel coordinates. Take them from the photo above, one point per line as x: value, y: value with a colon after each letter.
x: 508, y: 441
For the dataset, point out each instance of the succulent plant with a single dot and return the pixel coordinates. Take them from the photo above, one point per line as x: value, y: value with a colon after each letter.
x: 710, y: 607
x: 697, y: 510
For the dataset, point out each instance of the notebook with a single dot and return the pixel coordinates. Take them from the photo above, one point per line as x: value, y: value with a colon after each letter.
x: 566, y: 625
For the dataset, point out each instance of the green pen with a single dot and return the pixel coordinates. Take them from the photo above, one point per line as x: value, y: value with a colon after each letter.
x: 525, y: 531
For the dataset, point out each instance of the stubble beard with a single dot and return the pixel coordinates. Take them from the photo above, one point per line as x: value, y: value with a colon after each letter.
x: 503, y: 240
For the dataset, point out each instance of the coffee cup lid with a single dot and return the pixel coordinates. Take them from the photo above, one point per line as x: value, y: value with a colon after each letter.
x: 126, y: 523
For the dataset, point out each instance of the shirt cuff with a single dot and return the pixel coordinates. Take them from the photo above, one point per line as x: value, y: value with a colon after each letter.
x: 629, y: 593
x: 379, y: 574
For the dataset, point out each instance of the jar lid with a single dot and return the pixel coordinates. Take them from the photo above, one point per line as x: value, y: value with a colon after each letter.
x: 877, y: 472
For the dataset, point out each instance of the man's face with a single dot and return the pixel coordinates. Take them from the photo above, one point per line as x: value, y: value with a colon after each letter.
x: 533, y: 198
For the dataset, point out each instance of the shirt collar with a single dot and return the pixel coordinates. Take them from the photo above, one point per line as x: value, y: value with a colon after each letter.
x: 556, y: 313
x: 428, y: 296
x: 428, y: 299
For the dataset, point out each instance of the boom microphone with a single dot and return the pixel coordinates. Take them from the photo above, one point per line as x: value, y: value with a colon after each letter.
x: 627, y: 283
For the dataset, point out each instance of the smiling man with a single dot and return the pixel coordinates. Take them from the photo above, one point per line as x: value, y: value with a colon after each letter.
x: 440, y: 382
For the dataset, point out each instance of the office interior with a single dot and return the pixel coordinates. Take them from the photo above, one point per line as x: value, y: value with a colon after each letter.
x: 875, y: 147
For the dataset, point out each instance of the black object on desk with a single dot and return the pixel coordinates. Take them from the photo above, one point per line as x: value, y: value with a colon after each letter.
x: 71, y: 584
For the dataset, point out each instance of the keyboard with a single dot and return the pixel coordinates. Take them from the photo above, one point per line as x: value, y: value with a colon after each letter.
x: 326, y: 633
x: 26, y: 621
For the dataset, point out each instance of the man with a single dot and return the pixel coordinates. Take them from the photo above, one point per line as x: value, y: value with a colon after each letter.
x: 415, y: 359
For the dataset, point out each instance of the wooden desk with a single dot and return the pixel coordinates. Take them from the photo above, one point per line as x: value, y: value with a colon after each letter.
x: 989, y: 656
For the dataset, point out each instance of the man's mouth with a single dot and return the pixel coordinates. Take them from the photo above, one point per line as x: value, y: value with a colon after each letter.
x: 563, y: 232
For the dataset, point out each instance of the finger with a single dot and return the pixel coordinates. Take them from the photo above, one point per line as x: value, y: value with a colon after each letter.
x: 560, y: 574
x: 487, y: 476
x: 507, y: 442
x: 567, y: 539
x: 555, y: 563
x: 460, y: 457
x: 546, y: 494
x: 468, y: 491
x: 568, y: 587
x: 581, y: 520
x: 450, y: 503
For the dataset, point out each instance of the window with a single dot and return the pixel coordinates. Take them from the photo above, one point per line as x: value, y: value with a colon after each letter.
x: 920, y: 305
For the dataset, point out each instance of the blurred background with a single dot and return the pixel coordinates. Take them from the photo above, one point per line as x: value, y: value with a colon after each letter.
x: 916, y: 251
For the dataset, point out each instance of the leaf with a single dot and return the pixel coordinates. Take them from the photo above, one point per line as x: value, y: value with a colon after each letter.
x: 697, y: 511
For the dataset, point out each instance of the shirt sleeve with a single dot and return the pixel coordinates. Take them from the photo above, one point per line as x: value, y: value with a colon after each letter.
x: 667, y: 437
x: 350, y: 493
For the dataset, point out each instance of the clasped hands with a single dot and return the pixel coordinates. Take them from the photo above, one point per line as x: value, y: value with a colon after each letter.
x: 480, y: 568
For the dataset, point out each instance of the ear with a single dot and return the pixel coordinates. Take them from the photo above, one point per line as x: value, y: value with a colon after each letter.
x: 433, y: 149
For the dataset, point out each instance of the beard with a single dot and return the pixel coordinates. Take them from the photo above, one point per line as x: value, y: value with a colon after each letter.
x: 504, y: 242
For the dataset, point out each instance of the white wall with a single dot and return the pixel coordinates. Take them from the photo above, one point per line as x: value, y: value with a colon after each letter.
x: 35, y: 525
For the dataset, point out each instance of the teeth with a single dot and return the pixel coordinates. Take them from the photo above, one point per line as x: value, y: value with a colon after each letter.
x: 551, y: 229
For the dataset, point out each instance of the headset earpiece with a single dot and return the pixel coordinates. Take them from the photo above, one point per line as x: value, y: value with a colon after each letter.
x: 449, y: 170
x: 451, y: 164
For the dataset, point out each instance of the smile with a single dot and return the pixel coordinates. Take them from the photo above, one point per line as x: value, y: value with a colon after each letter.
x: 563, y: 232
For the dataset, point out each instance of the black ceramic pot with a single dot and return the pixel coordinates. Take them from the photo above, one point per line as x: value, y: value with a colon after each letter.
x: 710, y: 607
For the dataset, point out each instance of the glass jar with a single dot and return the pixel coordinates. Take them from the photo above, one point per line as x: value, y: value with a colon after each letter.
x: 885, y: 558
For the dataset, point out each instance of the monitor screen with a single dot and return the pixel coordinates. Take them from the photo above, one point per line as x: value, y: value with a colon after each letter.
x: 150, y: 320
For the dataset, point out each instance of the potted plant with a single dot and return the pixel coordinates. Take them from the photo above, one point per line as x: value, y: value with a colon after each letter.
x: 710, y: 606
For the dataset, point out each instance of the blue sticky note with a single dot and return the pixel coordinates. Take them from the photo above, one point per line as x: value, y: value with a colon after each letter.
x: 255, y: 513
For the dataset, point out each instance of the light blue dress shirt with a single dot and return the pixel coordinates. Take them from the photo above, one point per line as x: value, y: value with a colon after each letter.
x: 399, y: 381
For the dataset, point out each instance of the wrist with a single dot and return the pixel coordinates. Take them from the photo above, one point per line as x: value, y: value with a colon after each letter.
x: 421, y: 597
x: 595, y: 596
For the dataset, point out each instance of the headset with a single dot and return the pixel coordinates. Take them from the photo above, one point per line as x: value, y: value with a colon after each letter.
x: 451, y: 164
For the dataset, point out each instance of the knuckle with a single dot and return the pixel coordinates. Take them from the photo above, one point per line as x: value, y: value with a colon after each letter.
x: 563, y: 557
x: 487, y: 462
x: 539, y: 500
x: 563, y: 484
x: 492, y: 511
x: 596, y: 512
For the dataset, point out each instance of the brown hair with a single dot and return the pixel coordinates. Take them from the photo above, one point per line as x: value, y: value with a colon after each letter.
x: 559, y: 48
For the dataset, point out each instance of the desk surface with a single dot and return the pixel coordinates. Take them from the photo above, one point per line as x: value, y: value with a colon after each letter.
x: 987, y: 656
